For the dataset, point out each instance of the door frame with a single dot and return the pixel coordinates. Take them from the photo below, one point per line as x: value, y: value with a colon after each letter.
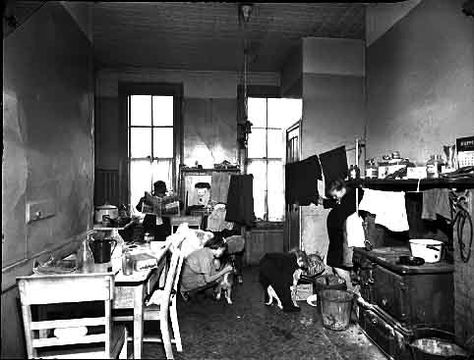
x: 297, y: 125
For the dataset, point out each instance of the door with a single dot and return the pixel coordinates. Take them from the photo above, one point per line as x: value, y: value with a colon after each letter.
x: 293, y: 213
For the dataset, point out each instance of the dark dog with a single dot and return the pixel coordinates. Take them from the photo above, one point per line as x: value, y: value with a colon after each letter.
x: 279, y: 274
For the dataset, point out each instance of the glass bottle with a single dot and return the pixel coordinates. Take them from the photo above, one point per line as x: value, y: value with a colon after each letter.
x: 84, y: 258
x: 127, y: 266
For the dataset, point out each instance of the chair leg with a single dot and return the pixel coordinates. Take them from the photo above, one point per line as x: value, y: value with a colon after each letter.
x: 123, y: 352
x: 175, y: 325
x: 165, y: 335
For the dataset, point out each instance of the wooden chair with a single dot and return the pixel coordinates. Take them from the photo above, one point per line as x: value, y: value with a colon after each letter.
x: 102, y: 340
x: 165, y: 310
x: 192, y: 221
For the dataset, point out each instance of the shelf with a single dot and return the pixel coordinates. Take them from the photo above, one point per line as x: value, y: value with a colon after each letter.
x: 414, y: 184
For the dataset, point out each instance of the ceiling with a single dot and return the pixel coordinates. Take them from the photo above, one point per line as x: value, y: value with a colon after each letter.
x: 207, y: 36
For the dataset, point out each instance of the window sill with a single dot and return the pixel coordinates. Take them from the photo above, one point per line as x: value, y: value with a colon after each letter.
x: 269, y: 225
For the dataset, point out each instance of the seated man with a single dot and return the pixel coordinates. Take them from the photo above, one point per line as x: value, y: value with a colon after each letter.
x: 201, y: 269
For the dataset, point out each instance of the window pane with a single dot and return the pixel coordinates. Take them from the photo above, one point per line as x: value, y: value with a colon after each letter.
x: 163, y: 110
x: 276, y: 144
x: 258, y: 169
x: 257, y: 111
x: 282, y: 113
x: 163, y: 170
x: 140, y: 180
x: 276, y: 191
x: 140, y: 142
x: 163, y: 142
x: 140, y: 110
x: 256, y: 147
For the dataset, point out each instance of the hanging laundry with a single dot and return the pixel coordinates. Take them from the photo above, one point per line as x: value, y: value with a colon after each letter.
x: 301, y: 179
x: 220, y: 186
x: 388, y: 207
x: 216, y: 220
x: 436, y: 202
x: 240, y: 200
x: 334, y: 164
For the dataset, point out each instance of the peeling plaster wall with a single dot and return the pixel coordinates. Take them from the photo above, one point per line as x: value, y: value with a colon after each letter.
x: 420, y: 96
x: 420, y: 82
x: 209, y: 111
x: 48, y: 147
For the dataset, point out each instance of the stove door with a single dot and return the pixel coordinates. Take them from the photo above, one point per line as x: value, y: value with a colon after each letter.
x: 390, y: 293
x: 391, y: 338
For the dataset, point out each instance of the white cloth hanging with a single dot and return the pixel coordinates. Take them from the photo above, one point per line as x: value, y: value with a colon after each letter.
x: 355, y: 235
x: 388, y: 207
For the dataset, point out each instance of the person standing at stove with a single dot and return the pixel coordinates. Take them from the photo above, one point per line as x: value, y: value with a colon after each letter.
x: 342, y: 201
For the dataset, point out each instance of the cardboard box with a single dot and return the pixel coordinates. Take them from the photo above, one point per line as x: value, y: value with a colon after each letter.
x: 418, y: 172
x: 303, y: 291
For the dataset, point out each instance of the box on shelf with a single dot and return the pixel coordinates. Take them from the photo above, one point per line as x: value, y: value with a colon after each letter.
x: 417, y: 172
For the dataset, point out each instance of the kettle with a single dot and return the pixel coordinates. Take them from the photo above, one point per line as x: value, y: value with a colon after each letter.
x: 105, y: 210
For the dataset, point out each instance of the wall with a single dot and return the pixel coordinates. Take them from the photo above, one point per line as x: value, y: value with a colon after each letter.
x: 420, y: 91
x: 48, y: 148
x: 333, y: 114
x: 420, y: 80
x: 209, y: 111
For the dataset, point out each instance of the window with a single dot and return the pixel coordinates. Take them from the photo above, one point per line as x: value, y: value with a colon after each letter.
x: 270, y: 117
x: 151, y: 143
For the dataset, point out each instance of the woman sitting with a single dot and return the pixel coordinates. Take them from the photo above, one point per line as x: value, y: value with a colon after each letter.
x: 201, y: 269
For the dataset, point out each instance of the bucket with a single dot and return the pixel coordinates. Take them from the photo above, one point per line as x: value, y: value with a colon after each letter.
x: 428, y: 249
x: 336, y: 307
x: 327, y: 282
x: 435, y: 344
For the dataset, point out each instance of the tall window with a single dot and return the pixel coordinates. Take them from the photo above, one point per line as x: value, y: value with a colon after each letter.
x: 151, y: 143
x: 266, y: 152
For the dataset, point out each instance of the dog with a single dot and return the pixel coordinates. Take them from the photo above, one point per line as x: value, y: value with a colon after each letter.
x: 279, y: 274
x: 225, y: 285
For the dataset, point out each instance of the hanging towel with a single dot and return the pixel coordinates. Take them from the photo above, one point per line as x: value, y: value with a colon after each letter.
x: 220, y: 186
x: 388, y: 207
x: 301, y: 181
x: 240, y: 200
x: 355, y: 231
x: 436, y: 202
x: 334, y: 164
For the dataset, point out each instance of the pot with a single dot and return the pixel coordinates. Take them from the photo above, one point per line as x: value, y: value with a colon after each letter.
x: 428, y: 249
x: 105, y: 210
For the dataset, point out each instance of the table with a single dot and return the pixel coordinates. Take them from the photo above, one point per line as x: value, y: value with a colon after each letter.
x: 131, y: 291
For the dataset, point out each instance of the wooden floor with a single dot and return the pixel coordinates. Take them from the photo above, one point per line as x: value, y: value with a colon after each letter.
x: 250, y: 330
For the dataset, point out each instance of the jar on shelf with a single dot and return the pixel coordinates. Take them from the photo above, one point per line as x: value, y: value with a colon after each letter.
x: 433, y: 166
x: 370, y: 169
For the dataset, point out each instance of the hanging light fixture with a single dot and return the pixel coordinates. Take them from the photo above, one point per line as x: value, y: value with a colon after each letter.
x: 245, y: 126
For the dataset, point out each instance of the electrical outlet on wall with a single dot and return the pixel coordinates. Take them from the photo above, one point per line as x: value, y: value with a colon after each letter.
x: 39, y: 210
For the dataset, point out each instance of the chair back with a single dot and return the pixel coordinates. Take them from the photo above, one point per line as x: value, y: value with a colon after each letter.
x: 67, y: 288
x: 192, y: 221
x: 172, y: 276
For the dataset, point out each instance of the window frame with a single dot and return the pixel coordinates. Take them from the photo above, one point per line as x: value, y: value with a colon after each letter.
x: 266, y: 159
x: 127, y: 89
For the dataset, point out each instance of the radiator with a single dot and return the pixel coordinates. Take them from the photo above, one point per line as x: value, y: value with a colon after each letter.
x: 107, y: 187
